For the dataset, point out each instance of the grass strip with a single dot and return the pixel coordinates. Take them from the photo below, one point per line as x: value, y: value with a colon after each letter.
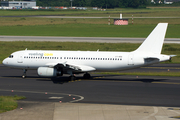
x: 8, y: 103
x: 87, y: 30
x: 171, y: 74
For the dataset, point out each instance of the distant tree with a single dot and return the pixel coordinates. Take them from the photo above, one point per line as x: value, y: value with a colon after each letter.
x: 133, y: 3
x: 79, y: 3
x: 98, y: 3
x: 95, y: 3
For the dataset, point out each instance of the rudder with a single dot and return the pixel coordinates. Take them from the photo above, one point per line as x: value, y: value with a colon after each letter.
x: 154, y: 42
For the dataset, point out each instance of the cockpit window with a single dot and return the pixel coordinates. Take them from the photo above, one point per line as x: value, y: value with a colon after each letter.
x: 11, y: 56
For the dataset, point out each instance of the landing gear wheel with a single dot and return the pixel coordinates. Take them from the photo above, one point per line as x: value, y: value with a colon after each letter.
x: 24, y: 74
x: 72, y: 78
x: 87, y: 76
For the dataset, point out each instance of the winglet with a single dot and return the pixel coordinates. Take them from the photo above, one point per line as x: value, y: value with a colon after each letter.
x: 154, y: 41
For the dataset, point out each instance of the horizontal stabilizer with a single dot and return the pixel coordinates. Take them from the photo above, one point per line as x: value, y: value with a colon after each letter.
x: 172, y: 55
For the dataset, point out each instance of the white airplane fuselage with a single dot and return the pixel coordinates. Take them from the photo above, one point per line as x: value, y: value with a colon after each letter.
x: 101, y: 61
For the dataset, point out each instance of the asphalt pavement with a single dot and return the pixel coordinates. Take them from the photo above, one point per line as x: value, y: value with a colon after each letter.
x: 103, y: 97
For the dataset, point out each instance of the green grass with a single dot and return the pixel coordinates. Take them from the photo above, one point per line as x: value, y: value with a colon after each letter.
x: 8, y: 47
x: 31, y: 21
x: 172, y: 74
x: 87, y: 30
x: 8, y: 103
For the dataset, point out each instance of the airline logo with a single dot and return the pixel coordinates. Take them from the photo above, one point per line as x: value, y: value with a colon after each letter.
x: 36, y: 54
x: 48, y: 54
x: 41, y: 54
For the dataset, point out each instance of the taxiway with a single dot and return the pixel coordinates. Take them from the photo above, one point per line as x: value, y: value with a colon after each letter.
x: 106, y: 89
x: 102, y: 97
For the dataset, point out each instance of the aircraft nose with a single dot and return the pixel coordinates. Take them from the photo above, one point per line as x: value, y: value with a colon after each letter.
x: 5, y: 62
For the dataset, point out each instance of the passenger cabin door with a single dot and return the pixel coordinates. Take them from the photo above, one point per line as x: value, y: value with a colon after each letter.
x: 20, y: 58
x: 130, y: 59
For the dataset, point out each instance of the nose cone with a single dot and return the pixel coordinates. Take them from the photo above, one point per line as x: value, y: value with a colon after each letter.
x: 5, y: 62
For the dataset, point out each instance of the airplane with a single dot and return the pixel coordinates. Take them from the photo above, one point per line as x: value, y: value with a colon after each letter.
x: 51, y: 63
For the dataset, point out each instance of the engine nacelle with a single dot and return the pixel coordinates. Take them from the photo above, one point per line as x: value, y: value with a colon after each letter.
x: 48, y: 72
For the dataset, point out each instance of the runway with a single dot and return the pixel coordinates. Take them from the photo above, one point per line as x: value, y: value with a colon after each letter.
x: 100, y: 89
x: 81, y: 39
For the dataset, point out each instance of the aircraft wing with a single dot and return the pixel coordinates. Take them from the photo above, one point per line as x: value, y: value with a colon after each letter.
x: 69, y: 66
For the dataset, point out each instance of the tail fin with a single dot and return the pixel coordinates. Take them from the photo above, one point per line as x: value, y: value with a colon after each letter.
x: 154, y: 41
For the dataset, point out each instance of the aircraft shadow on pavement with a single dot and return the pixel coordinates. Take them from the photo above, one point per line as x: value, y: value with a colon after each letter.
x: 65, y: 79
x: 125, y: 79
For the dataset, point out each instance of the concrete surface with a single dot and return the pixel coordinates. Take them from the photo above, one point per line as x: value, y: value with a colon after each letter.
x: 82, y: 111
x: 82, y: 39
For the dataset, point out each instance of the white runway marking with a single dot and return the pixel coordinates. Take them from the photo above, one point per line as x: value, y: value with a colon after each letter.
x: 55, y: 98
x: 80, y: 97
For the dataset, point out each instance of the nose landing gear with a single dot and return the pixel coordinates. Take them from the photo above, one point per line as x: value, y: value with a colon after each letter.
x: 24, y: 74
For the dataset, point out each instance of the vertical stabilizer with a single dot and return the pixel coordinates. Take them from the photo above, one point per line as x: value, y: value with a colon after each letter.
x: 154, y: 41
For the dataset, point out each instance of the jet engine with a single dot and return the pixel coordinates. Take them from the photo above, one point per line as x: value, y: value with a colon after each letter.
x: 48, y: 72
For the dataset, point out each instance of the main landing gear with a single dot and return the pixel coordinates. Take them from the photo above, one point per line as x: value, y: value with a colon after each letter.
x: 72, y: 77
x: 24, y: 74
x: 86, y: 76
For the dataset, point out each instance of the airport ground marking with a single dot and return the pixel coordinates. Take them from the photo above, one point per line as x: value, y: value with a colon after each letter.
x: 166, y: 83
x: 55, y: 98
x: 81, y: 97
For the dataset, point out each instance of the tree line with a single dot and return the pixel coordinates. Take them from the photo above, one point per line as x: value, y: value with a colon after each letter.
x: 95, y: 3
